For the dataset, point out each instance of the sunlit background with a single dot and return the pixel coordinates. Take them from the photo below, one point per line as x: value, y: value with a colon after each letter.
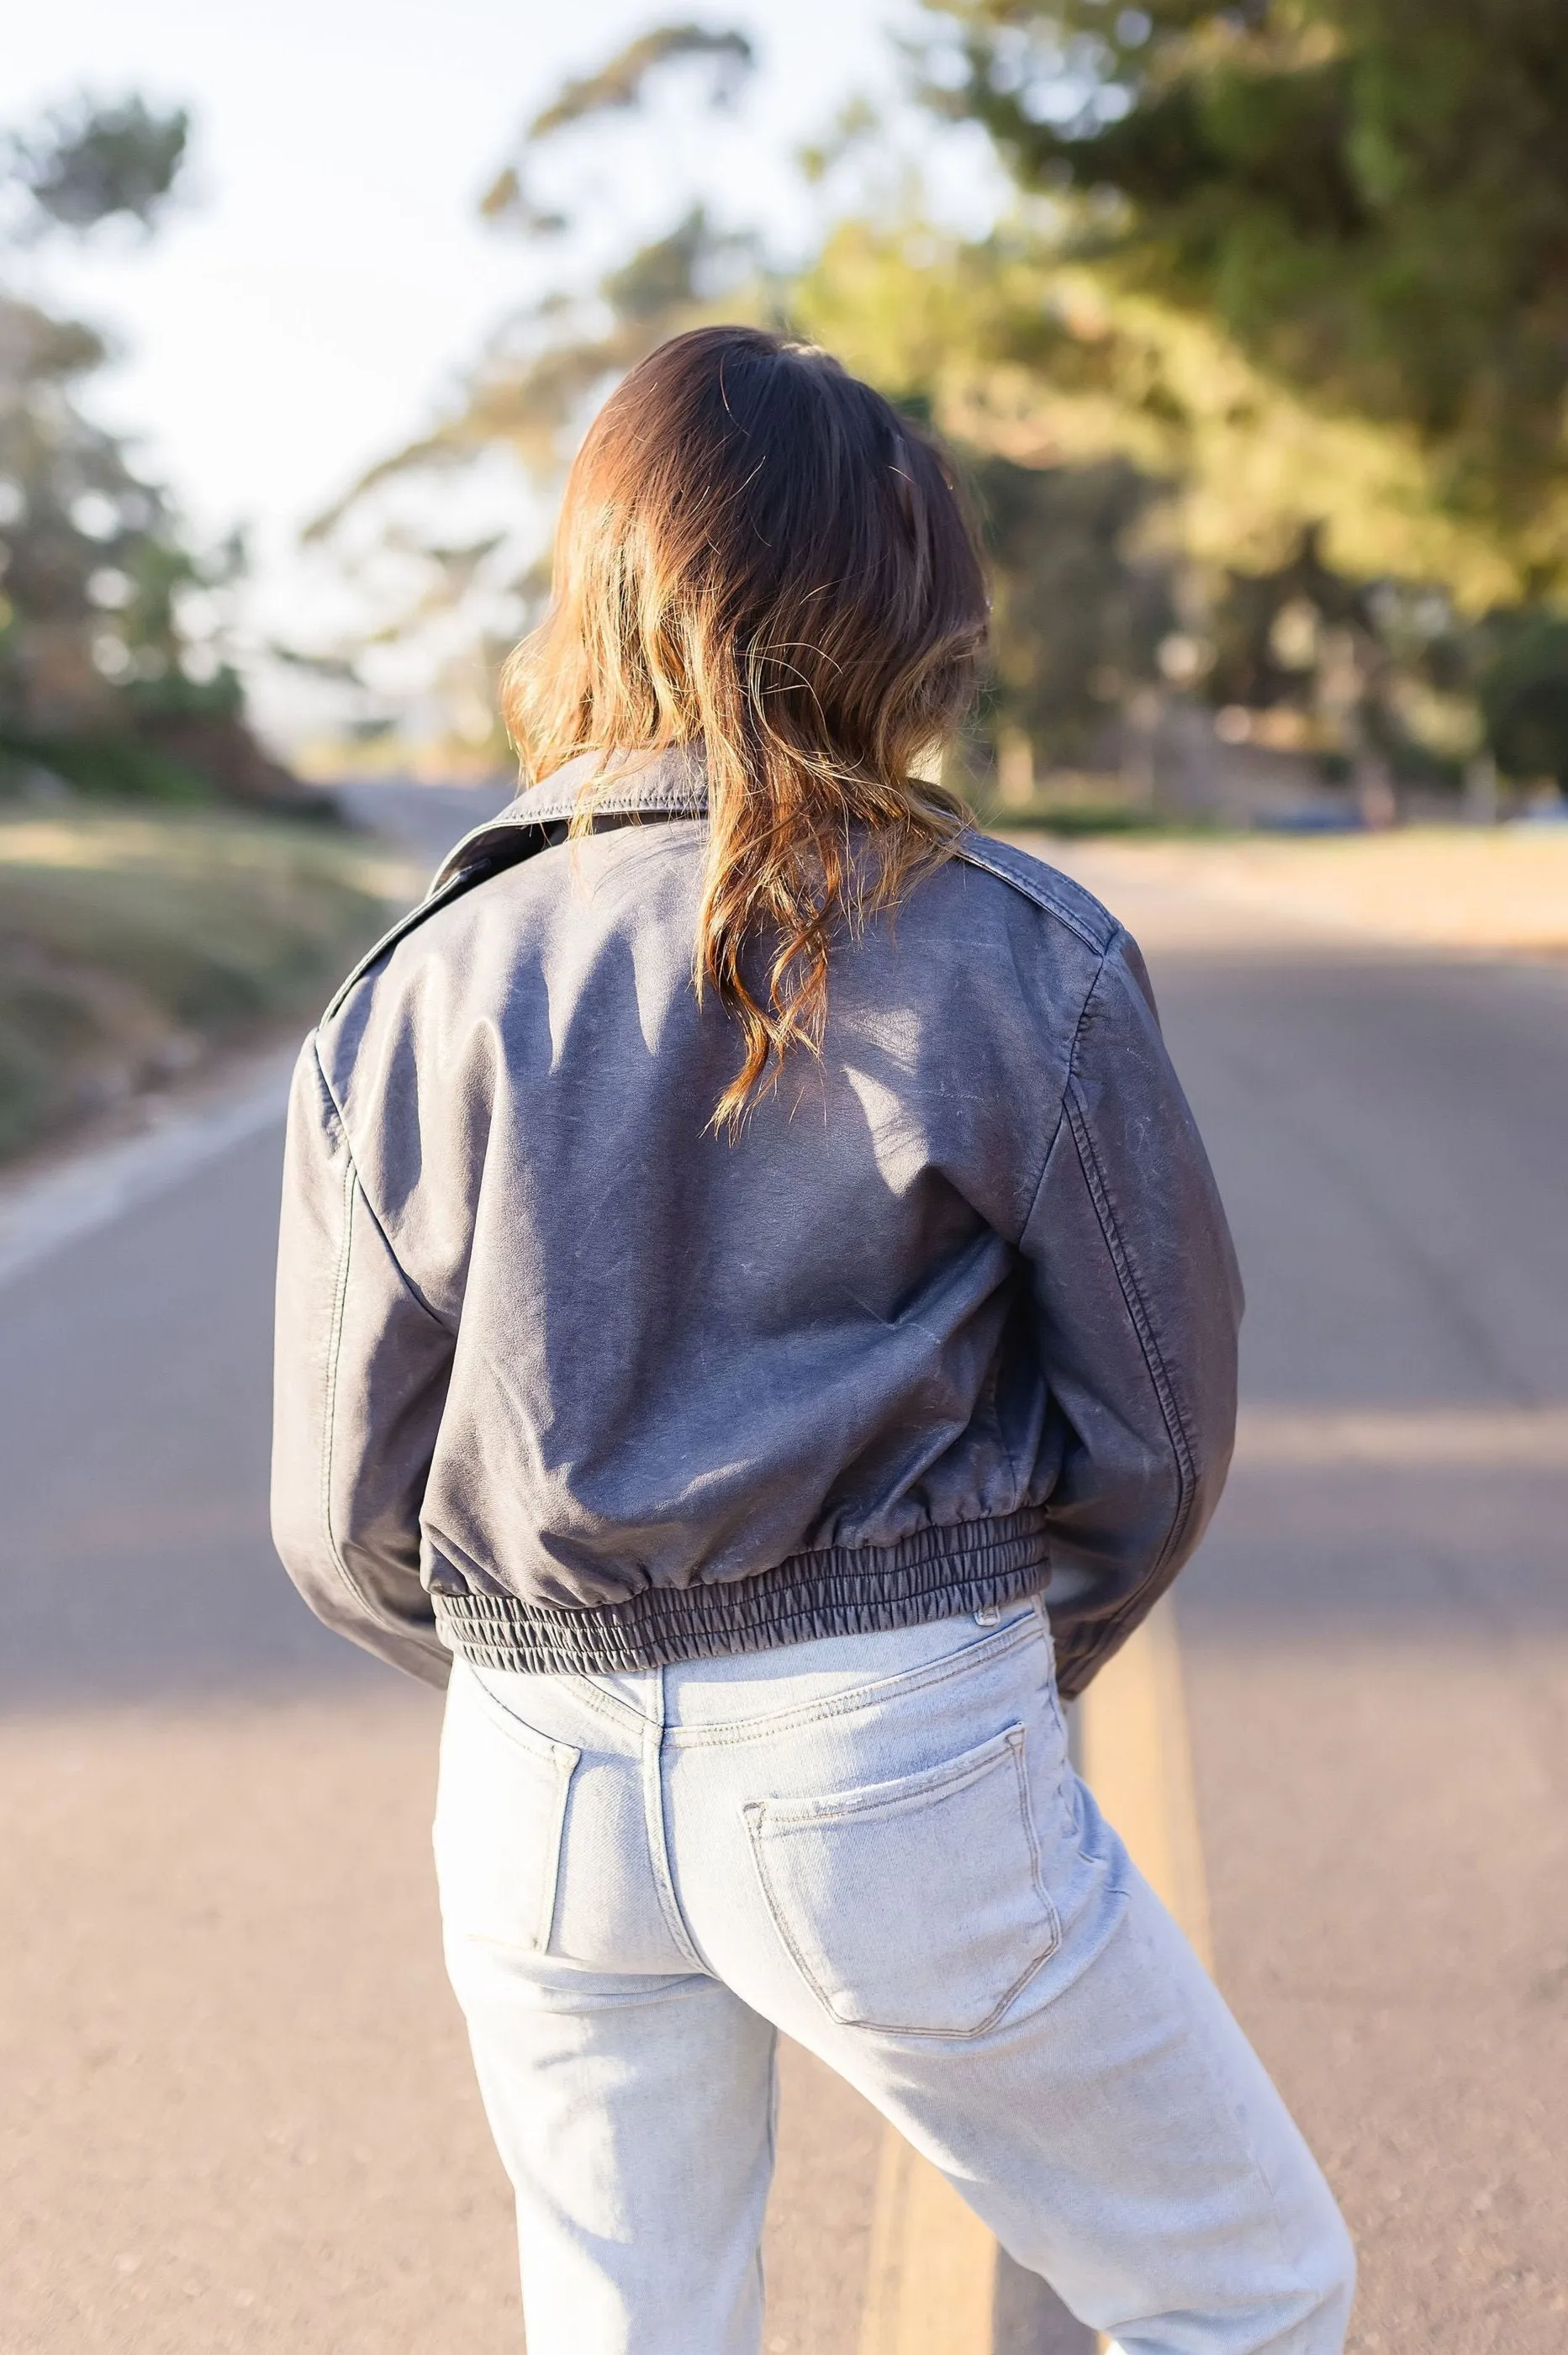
x: 1250, y: 340
x: 1248, y: 329
x: 320, y: 284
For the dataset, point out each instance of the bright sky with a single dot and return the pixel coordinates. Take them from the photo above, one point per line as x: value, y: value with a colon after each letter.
x: 326, y: 276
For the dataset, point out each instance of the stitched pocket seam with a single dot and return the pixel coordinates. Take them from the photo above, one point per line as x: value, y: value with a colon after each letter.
x: 758, y: 1812
x: 561, y: 1761
x: 982, y: 1652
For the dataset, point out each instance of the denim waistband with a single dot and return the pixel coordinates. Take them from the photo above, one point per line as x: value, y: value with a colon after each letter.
x: 798, y: 1676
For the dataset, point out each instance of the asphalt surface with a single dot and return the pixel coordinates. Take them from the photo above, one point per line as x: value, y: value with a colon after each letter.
x: 1375, y: 1636
x: 238, y: 2112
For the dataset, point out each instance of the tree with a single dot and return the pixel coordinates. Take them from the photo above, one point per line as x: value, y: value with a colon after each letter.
x: 1080, y: 609
x: 1523, y: 684
x: 85, y: 165
x: 1367, y: 200
x: 1365, y: 512
x: 1024, y: 347
x: 1182, y: 488
x: 453, y: 601
x: 103, y: 679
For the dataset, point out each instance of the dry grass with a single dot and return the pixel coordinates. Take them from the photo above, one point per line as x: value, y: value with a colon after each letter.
x: 131, y: 945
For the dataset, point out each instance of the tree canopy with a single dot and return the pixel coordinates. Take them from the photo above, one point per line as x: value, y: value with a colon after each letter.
x: 85, y: 164
x: 1366, y: 199
x: 1259, y: 380
x: 105, y: 680
x: 453, y: 601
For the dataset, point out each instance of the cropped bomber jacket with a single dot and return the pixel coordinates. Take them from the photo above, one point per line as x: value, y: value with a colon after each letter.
x: 567, y: 1381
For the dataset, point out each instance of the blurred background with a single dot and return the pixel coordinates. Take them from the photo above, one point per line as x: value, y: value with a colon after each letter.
x: 1248, y: 327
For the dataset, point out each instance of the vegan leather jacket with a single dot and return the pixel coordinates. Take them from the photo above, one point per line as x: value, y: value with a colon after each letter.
x: 566, y: 1381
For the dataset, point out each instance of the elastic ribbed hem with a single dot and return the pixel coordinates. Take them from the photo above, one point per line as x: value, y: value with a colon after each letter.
x: 842, y: 1591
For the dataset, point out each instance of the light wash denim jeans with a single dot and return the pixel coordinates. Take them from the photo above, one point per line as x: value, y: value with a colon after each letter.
x: 878, y: 1844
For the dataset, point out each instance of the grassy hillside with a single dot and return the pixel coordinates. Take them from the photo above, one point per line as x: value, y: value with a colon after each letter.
x: 132, y: 944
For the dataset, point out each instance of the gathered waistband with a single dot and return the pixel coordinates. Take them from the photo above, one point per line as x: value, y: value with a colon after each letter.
x: 940, y: 1574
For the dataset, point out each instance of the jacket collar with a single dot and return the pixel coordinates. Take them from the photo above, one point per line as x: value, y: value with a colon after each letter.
x: 671, y: 784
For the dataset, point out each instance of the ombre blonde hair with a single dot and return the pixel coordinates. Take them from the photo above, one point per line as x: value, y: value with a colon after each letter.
x: 759, y: 556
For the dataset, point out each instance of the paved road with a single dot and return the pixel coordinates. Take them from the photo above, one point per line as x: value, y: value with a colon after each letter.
x: 1376, y: 1634
x: 238, y: 2114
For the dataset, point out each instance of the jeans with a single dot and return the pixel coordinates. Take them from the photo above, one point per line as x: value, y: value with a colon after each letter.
x: 878, y: 1844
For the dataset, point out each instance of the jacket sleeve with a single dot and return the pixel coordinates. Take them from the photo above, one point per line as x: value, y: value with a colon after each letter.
x: 360, y: 1379
x: 1137, y: 1300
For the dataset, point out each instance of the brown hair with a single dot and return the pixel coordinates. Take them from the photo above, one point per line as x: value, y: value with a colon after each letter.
x: 757, y: 553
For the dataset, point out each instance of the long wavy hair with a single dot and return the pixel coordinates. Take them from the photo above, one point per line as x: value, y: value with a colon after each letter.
x: 759, y: 556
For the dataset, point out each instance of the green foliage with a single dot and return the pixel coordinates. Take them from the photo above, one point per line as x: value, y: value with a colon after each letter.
x: 1369, y: 198
x: 1258, y: 266
x: 1079, y: 611
x: 102, y: 682
x: 87, y: 164
x: 1267, y: 628
x: 1261, y: 386
x: 1380, y: 670
x: 1524, y: 695
x: 1024, y: 348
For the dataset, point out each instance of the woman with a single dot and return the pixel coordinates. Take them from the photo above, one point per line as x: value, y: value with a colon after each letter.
x: 751, y: 1287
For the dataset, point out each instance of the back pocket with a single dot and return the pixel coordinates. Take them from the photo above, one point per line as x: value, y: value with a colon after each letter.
x: 916, y: 1908
x: 499, y: 1814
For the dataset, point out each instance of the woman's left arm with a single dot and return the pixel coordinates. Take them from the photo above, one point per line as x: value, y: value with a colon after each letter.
x: 361, y: 1372
x: 1138, y: 1299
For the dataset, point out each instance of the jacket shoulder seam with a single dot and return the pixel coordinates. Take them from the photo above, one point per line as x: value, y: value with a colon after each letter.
x: 1081, y: 1656
x: 1040, y: 894
x: 520, y: 838
x: 409, y: 921
x: 329, y: 1402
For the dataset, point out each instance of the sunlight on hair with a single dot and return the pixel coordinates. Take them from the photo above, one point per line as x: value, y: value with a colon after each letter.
x: 760, y: 558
